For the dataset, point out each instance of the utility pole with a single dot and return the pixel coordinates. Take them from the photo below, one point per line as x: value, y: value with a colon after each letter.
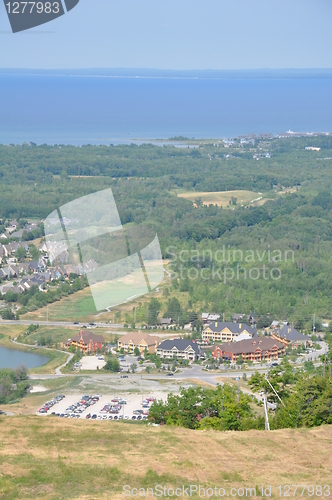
x: 142, y: 388
x: 134, y: 315
x: 313, y: 326
x: 47, y: 313
x: 267, y: 425
x: 223, y: 317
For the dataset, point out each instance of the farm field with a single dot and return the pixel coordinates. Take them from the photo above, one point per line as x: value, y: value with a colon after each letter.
x: 221, y: 198
x: 76, y: 459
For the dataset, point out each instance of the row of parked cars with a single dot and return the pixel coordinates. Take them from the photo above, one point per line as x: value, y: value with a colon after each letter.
x: 110, y: 411
x: 115, y: 417
x: 47, y: 406
x: 83, y: 404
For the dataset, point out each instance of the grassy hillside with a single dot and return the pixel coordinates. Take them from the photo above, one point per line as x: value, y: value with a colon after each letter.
x: 54, y: 459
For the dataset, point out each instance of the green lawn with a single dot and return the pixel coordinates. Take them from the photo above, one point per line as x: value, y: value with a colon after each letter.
x: 79, y: 306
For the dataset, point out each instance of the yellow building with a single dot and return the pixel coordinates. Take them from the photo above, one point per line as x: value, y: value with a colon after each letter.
x: 227, y: 332
x: 143, y: 341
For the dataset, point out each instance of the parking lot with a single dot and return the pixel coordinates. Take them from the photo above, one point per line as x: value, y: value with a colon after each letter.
x: 101, y: 407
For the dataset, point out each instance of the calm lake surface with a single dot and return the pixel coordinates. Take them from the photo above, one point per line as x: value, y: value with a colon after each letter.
x: 83, y: 109
x: 9, y: 358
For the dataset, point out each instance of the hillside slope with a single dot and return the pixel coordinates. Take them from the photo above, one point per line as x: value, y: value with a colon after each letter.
x: 54, y: 458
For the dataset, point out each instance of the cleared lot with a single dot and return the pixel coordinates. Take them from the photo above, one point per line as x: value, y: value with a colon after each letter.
x: 92, y: 362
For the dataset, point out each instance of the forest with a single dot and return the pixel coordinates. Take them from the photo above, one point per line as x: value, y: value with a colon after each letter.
x: 146, y: 181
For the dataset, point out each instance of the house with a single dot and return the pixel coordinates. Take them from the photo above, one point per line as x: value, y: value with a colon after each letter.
x: 226, y: 331
x: 165, y: 321
x: 10, y: 271
x: 86, y: 341
x: 238, y: 317
x: 17, y: 234
x: 208, y: 317
x: 256, y: 349
x: 275, y: 324
x: 143, y: 341
x: 179, y: 349
x: 291, y: 337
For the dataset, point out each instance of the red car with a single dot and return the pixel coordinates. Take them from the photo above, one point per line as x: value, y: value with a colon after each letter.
x: 88, y: 415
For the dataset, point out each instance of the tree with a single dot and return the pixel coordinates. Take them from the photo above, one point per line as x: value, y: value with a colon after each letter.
x: 34, y: 252
x: 20, y: 253
x: 173, y: 309
x: 112, y: 365
x: 133, y: 367
x: 263, y: 322
x: 7, y: 314
x: 153, y: 311
x: 239, y: 360
x: 136, y: 351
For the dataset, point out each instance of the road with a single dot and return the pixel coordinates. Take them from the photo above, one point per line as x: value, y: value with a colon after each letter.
x: 59, y: 323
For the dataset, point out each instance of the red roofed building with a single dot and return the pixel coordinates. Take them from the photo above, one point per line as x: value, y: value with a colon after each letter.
x: 257, y: 349
x: 87, y: 341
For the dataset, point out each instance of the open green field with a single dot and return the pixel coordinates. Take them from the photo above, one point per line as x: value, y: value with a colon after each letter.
x: 79, y: 306
x: 58, y: 459
x: 221, y: 198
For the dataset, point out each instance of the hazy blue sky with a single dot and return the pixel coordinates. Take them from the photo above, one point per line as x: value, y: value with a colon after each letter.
x: 177, y: 34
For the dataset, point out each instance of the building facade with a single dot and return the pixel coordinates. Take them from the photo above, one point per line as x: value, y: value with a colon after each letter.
x: 178, y: 349
x: 86, y: 341
x: 143, y: 341
x: 257, y: 349
x: 290, y: 337
x: 226, y: 332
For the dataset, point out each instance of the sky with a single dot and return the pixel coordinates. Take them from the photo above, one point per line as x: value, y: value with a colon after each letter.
x: 176, y: 34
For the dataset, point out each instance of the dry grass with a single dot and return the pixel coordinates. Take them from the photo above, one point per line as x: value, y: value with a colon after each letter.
x: 64, y: 459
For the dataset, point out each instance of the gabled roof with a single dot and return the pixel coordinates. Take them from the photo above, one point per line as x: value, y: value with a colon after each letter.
x: 236, y: 328
x: 289, y: 333
x: 179, y: 344
x: 251, y: 345
x: 137, y: 337
x: 86, y: 336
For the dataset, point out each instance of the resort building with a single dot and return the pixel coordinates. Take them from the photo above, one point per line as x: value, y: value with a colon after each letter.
x: 257, y: 349
x: 86, y: 341
x: 143, y: 341
x: 227, y: 332
x: 291, y: 337
x: 178, y: 349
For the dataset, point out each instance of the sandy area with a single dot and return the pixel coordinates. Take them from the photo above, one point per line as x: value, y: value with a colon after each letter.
x: 38, y: 388
x: 91, y: 362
